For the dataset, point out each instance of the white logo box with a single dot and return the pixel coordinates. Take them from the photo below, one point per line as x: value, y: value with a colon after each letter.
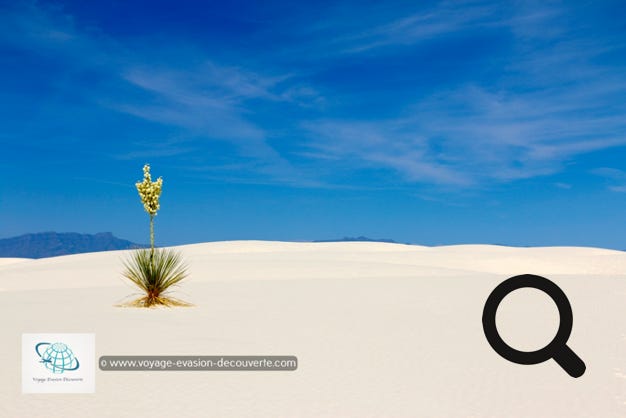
x: 58, y: 363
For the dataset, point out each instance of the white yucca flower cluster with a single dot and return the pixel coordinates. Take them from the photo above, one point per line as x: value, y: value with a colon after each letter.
x: 149, y: 191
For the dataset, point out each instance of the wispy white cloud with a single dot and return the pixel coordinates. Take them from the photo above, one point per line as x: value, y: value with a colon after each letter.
x: 471, y: 136
x: 371, y: 145
x: 146, y: 148
x: 210, y: 103
x: 200, y: 102
x: 26, y: 24
x: 551, y: 98
x: 352, y: 29
x: 615, y: 178
x: 550, y: 104
x: 610, y: 173
x: 443, y: 19
x: 188, y: 104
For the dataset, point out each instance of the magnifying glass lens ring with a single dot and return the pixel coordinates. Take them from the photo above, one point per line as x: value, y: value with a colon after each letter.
x: 519, y: 282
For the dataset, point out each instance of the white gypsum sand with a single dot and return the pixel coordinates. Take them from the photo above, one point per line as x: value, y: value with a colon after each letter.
x: 380, y: 330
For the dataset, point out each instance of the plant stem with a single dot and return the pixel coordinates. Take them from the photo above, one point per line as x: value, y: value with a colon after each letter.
x: 152, y: 241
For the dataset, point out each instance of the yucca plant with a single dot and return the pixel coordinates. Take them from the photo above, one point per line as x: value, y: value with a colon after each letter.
x: 154, y: 271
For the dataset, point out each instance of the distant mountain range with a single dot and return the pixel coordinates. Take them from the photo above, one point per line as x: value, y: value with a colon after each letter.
x: 51, y: 244
x: 359, y: 239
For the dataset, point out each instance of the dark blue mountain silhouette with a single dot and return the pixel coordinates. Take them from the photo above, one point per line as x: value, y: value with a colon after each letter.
x: 50, y: 244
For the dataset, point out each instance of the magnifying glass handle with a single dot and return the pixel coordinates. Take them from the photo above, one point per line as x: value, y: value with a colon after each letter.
x: 570, y: 362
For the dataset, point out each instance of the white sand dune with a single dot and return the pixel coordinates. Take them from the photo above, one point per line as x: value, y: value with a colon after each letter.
x: 380, y: 330
x: 5, y: 260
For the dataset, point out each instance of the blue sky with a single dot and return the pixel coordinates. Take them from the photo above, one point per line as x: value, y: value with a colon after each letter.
x: 425, y: 122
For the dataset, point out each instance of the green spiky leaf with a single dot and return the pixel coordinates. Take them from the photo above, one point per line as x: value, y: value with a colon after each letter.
x: 155, y: 273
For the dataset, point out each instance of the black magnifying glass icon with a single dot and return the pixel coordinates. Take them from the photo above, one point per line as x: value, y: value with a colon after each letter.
x: 557, y: 348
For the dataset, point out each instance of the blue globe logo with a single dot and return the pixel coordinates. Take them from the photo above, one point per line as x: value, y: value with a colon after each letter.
x: 57, y: 357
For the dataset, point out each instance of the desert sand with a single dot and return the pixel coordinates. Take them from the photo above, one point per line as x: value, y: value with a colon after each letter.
x: 380, y: 330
